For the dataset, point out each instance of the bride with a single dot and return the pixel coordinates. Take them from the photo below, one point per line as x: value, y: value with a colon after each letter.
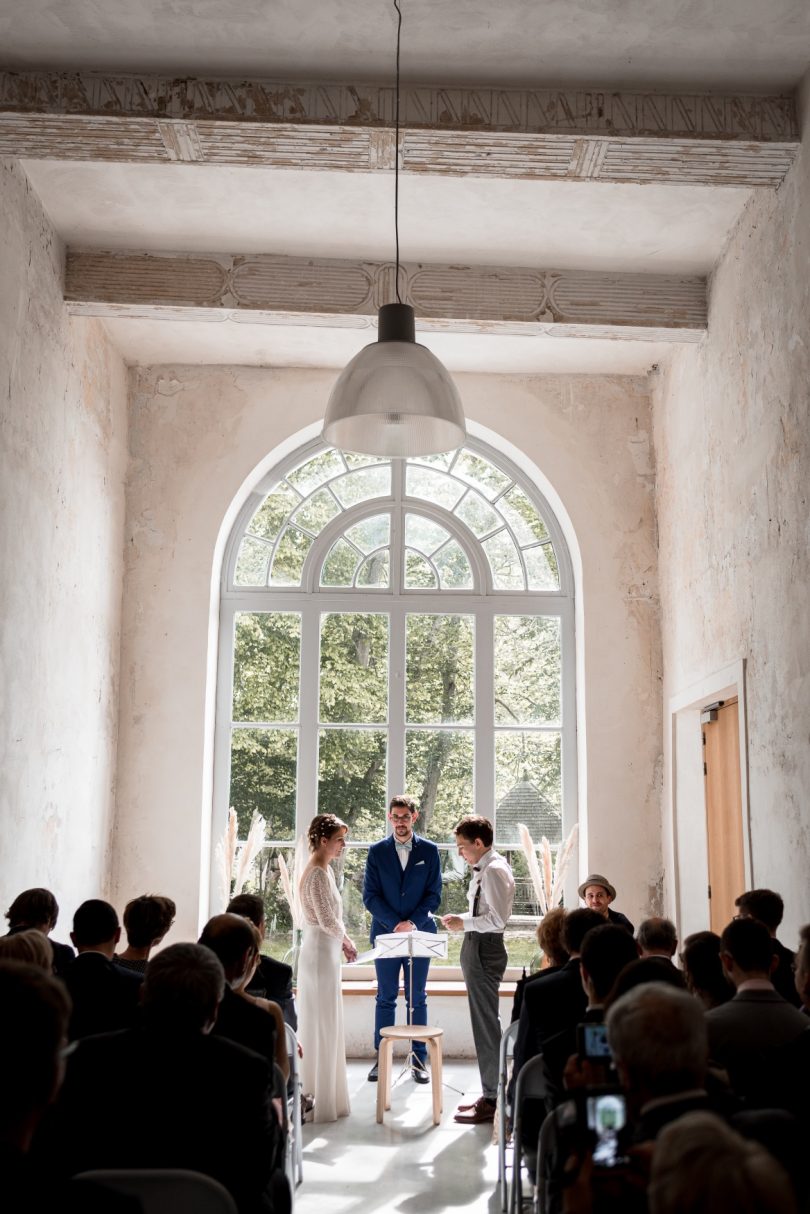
x: 320, y: 1003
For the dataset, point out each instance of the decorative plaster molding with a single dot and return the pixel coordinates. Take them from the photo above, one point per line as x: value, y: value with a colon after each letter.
x: 545, y: 133
x: 293, y: 290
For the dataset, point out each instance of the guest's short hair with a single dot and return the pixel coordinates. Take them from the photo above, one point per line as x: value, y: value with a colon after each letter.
x: 762, y: 904
x: 95, y: 922
x: 550, y: 935
x: 606, y: 950
x: 700, y: 1165
x: 749, y: 944
x: 643, y: 970
x: 148, y: 918
x: 577, y: 925
x: 324, y: 826
x: 34, y: 1014
x: 183, y: 986
x: 659, y: 1035
x: 33, y: 908
x: 229, y: 937
x: 249, y: 906
x: 659, y: 935
x: 30, y: 946
x: 475, y: 827
x: 703, y: 969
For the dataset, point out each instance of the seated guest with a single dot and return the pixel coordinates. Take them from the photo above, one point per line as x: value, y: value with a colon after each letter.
x: 766, y: 906
x: 597, y: 893
x: 104, y: 997
x: 657, y: 938
x: 268, y: 1006
x: 660, y: 1048
x: 604, y: 957
x: 170, y: 1094
x: 802, y: 969
x: 703, y: 969
x: 555, y: 954
x: 700, y: 1165
x: 748, y: 1035
x: 30, y: 947
x: 273, y: 979
x: 642, y: 970
x: 232, y: 939
x: 146, y: 921
x: 37, y: 908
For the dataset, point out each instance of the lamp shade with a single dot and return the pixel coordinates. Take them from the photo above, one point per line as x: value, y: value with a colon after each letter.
x: 395, y: 398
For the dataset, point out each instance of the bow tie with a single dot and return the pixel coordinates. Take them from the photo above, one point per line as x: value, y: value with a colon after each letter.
x: 404, y: 846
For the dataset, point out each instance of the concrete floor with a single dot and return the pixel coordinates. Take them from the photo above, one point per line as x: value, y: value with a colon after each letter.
x: 354, y: 1166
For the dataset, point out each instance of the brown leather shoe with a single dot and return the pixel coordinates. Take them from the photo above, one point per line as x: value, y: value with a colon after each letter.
x: 482, y: 1111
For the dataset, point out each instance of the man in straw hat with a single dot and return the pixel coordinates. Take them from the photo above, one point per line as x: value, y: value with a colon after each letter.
x: 597, y: 893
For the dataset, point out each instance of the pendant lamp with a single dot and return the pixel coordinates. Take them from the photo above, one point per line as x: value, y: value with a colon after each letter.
x: 395, y: 398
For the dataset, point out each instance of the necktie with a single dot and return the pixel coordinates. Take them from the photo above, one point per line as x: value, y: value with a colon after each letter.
x: 477, y: 898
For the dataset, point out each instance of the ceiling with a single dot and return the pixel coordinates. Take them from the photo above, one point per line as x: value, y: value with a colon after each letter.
x: 728, y: 45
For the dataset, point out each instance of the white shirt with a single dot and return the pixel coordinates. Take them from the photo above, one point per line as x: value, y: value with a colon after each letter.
x: 494, y: 879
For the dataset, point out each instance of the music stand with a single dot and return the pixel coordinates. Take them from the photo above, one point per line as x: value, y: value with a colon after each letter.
x: 413, y: 944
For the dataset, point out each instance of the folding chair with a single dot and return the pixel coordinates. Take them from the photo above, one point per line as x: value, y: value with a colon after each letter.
x: 506, y: 1053
x: 531, y: 1085
x: 166, y: 1190
x: 294, y: 1164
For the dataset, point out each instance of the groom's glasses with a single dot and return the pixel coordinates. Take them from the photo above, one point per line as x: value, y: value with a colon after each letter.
x: 400, y: 817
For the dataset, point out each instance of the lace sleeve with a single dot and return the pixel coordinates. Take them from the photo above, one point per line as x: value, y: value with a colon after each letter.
x: 321, y: 902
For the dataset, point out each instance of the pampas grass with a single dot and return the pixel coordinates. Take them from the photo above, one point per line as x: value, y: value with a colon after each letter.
x: 289, y: 884
x: 547, y: 879
x: 224, y: 854
x: 249, y: 850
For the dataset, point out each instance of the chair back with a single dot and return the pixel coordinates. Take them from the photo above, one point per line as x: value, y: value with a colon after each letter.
x: 166, y: 1190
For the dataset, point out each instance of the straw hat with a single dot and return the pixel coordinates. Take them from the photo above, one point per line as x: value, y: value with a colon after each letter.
x: 597, y: 879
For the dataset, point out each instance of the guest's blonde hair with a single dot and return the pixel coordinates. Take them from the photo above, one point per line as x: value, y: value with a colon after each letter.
x: 30, y: 946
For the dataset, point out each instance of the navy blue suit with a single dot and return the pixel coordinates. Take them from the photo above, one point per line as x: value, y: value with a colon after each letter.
x: 392, y: 895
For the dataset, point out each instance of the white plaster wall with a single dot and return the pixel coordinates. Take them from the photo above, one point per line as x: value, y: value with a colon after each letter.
x: 733, y: 456
x: 197, y: 436
x: 63, y: 412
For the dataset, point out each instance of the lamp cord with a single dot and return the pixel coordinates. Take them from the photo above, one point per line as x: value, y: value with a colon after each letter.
x: 396, y: 154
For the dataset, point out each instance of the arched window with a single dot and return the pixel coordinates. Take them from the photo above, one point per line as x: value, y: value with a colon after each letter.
x: 395, y: 626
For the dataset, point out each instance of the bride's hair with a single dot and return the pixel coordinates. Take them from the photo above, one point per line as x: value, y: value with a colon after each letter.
x: 324, y: 826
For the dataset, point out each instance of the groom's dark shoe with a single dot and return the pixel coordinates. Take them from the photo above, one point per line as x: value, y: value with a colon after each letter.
x: 372, y: 1075
x: 419, y: 1071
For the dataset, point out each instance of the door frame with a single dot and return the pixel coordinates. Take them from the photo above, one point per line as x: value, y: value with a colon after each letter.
x: 685, y: 832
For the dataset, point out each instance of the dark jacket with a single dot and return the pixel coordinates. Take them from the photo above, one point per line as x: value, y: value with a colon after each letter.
x: 161, y: 1098
x: 394, y: 894
x: 620, y: 920
x: 105, y: 997
x: 274, y: 980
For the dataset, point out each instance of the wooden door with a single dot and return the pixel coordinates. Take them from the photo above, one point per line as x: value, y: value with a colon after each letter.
x: 724, y: 819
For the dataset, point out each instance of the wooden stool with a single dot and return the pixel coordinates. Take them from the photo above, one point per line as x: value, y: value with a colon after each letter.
x: 409, y: 1032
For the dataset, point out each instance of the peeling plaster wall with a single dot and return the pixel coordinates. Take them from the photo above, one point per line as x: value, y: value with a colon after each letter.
x: 62, y: 464
x: 197, y: 436
x: 733, y: 454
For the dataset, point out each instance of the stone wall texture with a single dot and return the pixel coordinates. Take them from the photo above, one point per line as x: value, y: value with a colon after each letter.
x: 62, y: 465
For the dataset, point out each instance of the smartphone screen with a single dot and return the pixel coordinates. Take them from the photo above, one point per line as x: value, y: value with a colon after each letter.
x: 607, y: 1115
x: 593, y: 1042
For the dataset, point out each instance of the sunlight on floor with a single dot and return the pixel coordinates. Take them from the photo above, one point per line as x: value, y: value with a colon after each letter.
x: 407, y: 1164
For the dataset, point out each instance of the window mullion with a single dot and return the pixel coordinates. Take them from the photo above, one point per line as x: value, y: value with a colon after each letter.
x: 396, y: 703
x: 484, y: 717
x: 307, y: 784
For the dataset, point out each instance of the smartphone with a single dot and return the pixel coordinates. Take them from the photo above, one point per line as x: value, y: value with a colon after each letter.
x: 592, y: 1042
x: 606, y: 1114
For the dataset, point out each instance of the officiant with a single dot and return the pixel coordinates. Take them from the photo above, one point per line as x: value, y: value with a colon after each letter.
x: 402, y: 886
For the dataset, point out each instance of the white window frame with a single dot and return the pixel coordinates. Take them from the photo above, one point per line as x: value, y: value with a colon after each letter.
x: 310, y: 600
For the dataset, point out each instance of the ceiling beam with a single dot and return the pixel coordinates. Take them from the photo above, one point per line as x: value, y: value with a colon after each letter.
x: 553, y: 134
x: 321, y: 292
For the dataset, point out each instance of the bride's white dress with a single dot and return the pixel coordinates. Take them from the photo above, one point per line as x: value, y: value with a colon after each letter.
x: 320, y: 1003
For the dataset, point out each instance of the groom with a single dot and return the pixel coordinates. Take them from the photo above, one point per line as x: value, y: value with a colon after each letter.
x: 403, y: 883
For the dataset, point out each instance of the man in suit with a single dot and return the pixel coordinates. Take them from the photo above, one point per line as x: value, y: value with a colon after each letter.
x: 658, y: 938
x: 273, y: 979
x: 170, y: 1094
x: 766, y: 906
x: 597, y: 893
x: 751, y: 1036
x: 401, y: 888
x: 37, y: 908
x: 104, y: 996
